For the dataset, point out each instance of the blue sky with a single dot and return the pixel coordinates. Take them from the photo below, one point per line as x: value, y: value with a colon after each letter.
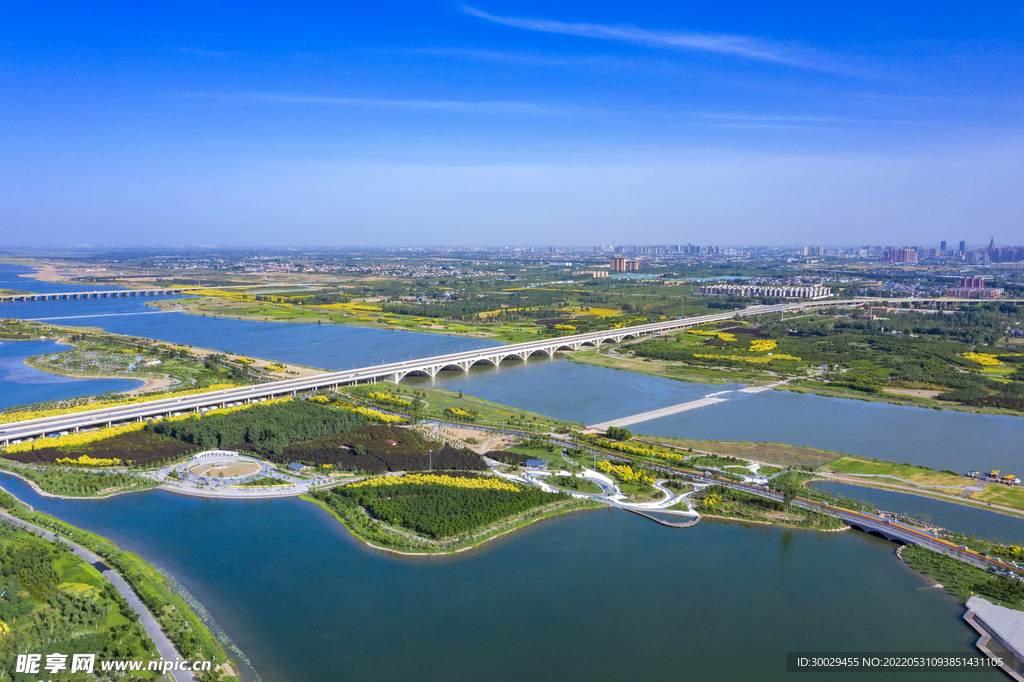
x: 392, y: 123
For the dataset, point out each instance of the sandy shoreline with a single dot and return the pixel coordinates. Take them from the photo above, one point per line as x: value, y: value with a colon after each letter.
x: 149, y: 383
x: 43, y: 272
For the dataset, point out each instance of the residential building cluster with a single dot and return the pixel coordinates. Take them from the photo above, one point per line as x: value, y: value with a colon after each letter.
x: 620, y: 264
x: 973, y: 287
x: 773, y: 292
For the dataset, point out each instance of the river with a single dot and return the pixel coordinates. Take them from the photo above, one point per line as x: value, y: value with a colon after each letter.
x: 955, y: 517
x: 580, y: 393
x: 602, y: 595
x: 22, y: 385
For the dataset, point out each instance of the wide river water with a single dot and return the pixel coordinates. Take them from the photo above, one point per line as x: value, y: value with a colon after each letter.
x: 602, y: 595
x: 581, y: 393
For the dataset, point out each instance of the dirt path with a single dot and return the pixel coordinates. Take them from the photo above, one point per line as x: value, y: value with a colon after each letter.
x: 913, y: 392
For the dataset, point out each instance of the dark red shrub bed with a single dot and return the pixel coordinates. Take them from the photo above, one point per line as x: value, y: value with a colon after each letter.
x: 139, y: 447
x: 359, y: 458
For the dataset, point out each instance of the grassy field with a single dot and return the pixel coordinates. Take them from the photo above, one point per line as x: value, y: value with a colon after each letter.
x: 509, y: 333
x: 382, y: 535
x: 671, y: 371
x: 552, y: 457
x: 960, y: 579
x: 914, y: 474
x: 722, y: 502
x: 575, y: 483
x: 771, y: 453
x: 438, y: 400
x: 1007, y: 496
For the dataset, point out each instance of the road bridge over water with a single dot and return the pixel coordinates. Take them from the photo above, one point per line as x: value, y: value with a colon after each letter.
x: 82, y: 295
x: 106, y: 293
x: 391, y: 372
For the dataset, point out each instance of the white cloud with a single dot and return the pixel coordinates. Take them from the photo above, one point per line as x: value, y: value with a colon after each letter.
x: 740, y: 46
x: 493, y: 107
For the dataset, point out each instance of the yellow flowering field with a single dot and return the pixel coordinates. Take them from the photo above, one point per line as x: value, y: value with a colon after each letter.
x: 89, y: 461
x: 440, y: 479
x: 755, y: 359
x: 625, y: 472
x: 374, y: 414
x: 109, y: 432
x: 725, y: 336
x: 75, y: 438
x: 25, y: 416
x: 762, y: 345
x: 984, y: 359
x: 390, y: 399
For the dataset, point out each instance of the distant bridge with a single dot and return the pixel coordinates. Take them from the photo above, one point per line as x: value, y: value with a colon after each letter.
x: 115, y: 293
x: 111, y: 293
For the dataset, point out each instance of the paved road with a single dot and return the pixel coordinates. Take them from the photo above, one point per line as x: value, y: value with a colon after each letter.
x: 395, y: 370
x: 654, y: 414
x: 163, y: 644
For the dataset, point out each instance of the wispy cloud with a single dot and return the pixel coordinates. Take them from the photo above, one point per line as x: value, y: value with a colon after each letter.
x: 740, y: 46
x: 440, y: 105
x: 780, y: 119
x: 210, y: 53
x: 512, y: 58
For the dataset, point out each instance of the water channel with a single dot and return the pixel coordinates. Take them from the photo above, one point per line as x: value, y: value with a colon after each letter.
x: 603, y: 595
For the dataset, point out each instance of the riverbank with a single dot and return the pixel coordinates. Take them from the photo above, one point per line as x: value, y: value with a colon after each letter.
x: 177, y: 631
x: 942, y: 497
x: 6, y: 468
x: 720, y: 376
x: 735, y: 519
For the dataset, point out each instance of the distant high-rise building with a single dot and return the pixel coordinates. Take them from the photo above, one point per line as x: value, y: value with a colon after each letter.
x: 942, y: 246
x: 963, y: 246
x: 812, y: 251
x: 898, y: 255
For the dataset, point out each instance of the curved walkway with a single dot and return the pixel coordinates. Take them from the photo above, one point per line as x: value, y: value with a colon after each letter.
x: 919, y: 485
x: 163, y: 644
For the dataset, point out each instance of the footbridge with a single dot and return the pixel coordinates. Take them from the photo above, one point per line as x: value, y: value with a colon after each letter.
x: 390, y: 372
x: 878, y: 526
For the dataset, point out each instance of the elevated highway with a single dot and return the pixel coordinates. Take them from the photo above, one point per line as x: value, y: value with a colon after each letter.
x: 391, y: 372
x: 108, y: 293
x: 82, y: 295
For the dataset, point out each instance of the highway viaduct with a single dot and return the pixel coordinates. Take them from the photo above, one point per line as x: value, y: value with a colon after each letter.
x: 106, y: 293
x: 390, y: 372
x: 76, y: 295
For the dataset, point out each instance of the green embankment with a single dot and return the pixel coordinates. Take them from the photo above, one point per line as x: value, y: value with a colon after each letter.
x: 963, y: 580
x: 190, y: 635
